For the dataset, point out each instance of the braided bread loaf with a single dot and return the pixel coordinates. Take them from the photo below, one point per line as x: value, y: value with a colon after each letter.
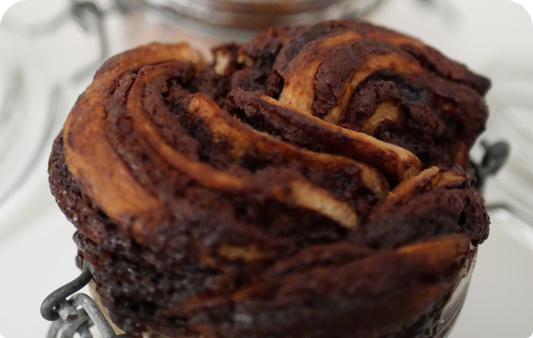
x: 310, y: 183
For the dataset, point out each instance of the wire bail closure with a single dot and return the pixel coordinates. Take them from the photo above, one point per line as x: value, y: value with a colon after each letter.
x: 77, y: 313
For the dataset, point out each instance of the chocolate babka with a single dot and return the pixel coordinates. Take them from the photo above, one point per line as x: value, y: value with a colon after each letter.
x: 314, y: 182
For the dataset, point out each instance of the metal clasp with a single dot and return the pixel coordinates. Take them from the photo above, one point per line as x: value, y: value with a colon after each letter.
x: 76, y: 314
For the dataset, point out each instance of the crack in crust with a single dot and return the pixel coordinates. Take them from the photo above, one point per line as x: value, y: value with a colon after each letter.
x: 306, y: 184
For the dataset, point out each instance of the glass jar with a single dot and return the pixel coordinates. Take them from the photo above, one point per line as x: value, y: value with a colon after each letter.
x: 255, y: 14
x: 457, y: 298
x: 438, y: 323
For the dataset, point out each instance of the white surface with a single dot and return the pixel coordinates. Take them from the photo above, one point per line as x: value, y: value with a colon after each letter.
x: 500, y: 299
x: 491, y: 36
x: 26, y: 121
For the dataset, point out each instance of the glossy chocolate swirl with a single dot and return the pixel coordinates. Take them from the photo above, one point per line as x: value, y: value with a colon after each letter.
x: 309, y: 183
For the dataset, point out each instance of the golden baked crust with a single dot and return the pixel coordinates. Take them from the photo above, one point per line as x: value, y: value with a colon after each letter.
x: 309, y: 183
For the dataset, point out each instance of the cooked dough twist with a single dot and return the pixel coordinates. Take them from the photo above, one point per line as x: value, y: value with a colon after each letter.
x: 307, y: 184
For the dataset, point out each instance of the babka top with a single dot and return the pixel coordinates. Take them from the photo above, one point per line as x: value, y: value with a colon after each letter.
x: 290, y: 168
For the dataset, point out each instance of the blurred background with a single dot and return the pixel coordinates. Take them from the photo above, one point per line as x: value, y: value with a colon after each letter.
x: 49, y: 50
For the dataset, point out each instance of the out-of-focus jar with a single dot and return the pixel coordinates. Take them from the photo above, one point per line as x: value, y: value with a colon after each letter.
x: 207, y: 23
x: 253, y: 14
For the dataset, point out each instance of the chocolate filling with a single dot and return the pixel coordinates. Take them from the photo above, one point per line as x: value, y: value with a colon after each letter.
x: 247, y: 203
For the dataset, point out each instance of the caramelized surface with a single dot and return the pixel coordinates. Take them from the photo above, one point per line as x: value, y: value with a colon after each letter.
x: 309, y: 183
